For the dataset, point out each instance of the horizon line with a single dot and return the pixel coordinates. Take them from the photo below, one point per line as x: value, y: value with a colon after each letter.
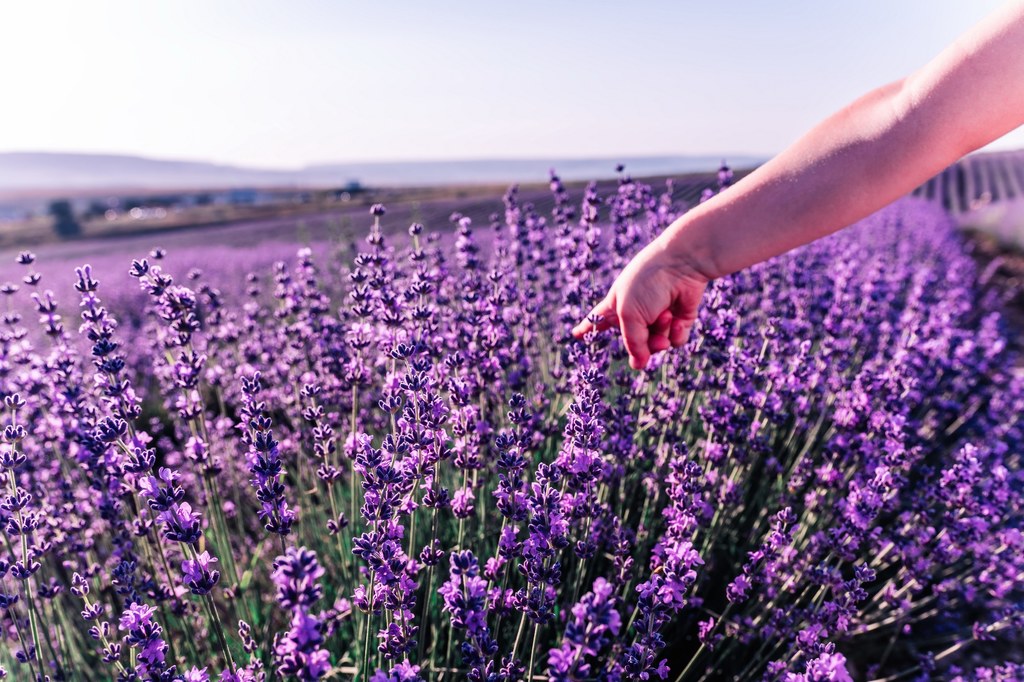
x: 460, y: 159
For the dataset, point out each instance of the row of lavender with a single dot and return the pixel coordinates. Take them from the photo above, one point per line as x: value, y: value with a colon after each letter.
x: 404, y: 468
x: 977, y: 179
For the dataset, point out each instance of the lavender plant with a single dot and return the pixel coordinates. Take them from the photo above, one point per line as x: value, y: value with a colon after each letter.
x: 401, y: 466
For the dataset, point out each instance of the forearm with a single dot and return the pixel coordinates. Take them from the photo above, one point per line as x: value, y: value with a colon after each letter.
x: 863, y: 157
x: 853, y: 163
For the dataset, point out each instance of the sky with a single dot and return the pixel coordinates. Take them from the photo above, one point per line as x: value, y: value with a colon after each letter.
x: 285, y: 84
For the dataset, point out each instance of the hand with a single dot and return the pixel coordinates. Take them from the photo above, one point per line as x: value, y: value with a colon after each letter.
x: 653, y: 302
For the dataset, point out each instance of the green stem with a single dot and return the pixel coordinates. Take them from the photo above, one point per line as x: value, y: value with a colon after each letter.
x: 533, y: 652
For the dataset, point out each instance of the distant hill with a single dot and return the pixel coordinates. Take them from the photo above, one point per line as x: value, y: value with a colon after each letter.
x: 45, y: 170
x: 60, y: 171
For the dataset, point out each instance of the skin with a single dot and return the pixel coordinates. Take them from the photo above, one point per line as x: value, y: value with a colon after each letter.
x: 870, y: 153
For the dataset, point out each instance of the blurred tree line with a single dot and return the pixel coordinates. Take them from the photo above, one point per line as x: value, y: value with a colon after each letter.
x: 65, y: 224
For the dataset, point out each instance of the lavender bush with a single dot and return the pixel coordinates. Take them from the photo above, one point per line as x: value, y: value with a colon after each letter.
x: 403, y: 468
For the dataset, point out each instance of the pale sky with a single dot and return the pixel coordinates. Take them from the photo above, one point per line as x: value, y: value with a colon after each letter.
x: 286, y: 83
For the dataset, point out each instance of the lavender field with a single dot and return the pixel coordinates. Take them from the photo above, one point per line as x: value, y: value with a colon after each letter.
x: 394, y: 463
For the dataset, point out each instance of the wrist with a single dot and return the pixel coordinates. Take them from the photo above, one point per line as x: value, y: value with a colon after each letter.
x: 681, y: 246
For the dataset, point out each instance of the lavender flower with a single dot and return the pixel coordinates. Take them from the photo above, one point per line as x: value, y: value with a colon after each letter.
x: 298, y: 652
x: 594, y: 625
x: 200, y: 575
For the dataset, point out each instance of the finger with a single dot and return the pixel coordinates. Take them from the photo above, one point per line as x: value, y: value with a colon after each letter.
x: 662, y: 325
x: 656, y: 344
x: 593, y: 322
x: 635, y: 336
x: 680, y: 332
x: 659, y: 333
x: 600, y: 318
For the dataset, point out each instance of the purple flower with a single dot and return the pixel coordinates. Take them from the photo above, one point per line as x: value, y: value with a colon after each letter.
x: 298, y: 651
x: 465, y: 598
x: 594, y: 624
x: 181, y: 524
x: 200, y: 575
x: 264, y: 460
x: 828, y: 667
x: 163, y: 490
x: 296, y: 574
x: 401, y: 672
x: 144, y: 635
x: 196, y: 675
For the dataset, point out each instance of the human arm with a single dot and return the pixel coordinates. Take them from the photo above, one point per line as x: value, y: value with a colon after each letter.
x: 853, y: 163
